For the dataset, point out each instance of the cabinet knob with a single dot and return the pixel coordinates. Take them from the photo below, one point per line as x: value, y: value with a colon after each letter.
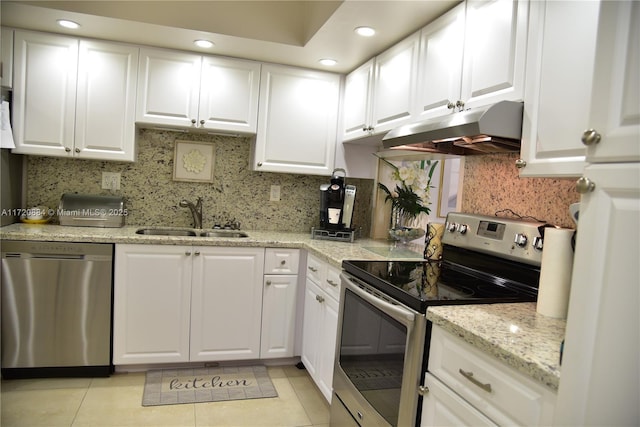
x: 460, y: 105
x: 77, y: 150
x: 193, y: 121
x: 187, y: 253
x: 521, y: 164
x: 451, y: 105
x: 590, y: 137
x: 268, y: 282
x: 202, y: 122
x: 423, y: 390
x: 259, y: 164
x: 196, y: 253
x: 584, y: 185
x: 319, y: 298
x: 67, y: 149
x: 283, y: 262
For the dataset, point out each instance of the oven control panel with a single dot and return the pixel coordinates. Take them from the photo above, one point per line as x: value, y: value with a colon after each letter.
x: 510, y: 238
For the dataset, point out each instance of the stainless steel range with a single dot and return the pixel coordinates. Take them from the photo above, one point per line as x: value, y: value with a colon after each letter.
x: 383, y: 335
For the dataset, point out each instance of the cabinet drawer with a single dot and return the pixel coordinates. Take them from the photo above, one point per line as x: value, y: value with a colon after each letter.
x: 316, y: 270
x: 332, y: 283
x: 281, y: 261
x: 498, y: 391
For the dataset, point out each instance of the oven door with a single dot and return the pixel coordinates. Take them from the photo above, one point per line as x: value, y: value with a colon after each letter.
x: 378, y: 362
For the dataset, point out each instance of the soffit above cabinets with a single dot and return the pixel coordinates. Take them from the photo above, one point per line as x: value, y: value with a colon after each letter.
x: 297, y: 33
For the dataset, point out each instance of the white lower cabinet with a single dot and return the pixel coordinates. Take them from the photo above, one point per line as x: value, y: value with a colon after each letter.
x: 186, y: 303
x: 468, y: 387
x: 320, y: 325
x: 441, y: 406
x: 279, y: 303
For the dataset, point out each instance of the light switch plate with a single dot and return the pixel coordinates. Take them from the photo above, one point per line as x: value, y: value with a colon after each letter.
x: 274, y: 194
x: 111, y: 180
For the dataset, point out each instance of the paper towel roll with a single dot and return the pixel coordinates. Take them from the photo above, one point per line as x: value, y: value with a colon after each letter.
x: 555, y: 273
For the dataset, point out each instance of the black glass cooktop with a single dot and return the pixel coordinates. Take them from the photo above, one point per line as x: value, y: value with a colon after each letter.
x: 424, y: 283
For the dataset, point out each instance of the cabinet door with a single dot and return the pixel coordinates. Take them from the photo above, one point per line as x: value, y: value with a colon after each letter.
x: 229, y: 95
x: 615, y: 102
x: 44, y: 96
x: 152, y: 292
x: 226, y: 304
x: 311, y: 327
x: 600, y: 366
x: 328, y: 336
x: 494, y: 51
x: 395, y: 81
x: 168, y: 88
x: 105, y: 108
x: 278, y: 316
x: 358, y: 97
x: 297, y: 126
x: 558, y: 89
x: 440, y: 67
x: 443, y: 407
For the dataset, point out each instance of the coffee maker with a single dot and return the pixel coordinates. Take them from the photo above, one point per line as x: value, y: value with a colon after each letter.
x: 336, y: 203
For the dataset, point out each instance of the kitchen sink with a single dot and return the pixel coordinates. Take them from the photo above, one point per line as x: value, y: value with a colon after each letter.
x: 166, y: 232
x: 224, y: 233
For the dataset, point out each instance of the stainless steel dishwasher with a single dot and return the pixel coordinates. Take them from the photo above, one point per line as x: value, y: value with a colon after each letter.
x: 56, y: 309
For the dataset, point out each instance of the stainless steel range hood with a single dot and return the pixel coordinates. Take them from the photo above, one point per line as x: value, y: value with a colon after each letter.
x: 493, y: 129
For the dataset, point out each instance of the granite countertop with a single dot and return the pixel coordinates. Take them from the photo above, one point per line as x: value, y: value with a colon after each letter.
x: 513, y: 333
x: 332, y: 252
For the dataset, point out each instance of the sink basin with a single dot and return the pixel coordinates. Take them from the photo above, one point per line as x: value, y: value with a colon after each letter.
x: 165, y: 232
x: 224, y: 233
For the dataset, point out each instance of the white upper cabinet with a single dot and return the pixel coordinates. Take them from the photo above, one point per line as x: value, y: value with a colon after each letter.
x: 297, y: 124
x: 615, y: 102
x: 558, y: 88
x: 494, y: 52
x: 395, y: 85
x: 440, y: 66
x: 74, y: 98
x: 357, y: 100
x: 379, y: 95
x: 105, y: 106
x: 187, y: 90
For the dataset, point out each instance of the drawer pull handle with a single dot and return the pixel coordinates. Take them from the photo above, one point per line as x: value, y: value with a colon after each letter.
x: 313, y: 269
x: 469, y: 376
x: 331, y: 282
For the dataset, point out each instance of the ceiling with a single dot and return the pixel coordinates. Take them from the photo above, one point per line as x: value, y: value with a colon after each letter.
x: 298, y: 33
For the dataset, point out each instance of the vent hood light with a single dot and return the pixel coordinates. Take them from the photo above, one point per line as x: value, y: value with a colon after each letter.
x: 496, y: 128
x: 68, y: 24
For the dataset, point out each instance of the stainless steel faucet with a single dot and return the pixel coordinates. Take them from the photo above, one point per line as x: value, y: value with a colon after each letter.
x: 196, y: 211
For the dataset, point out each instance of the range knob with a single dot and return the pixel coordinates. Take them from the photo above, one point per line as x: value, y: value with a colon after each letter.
x: 520, y: 240
x: 462, y: 228
x: 451, y: 227
x: 538, y: 243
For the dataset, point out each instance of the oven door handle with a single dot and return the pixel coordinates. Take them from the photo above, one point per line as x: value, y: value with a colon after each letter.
x: 399, y: 313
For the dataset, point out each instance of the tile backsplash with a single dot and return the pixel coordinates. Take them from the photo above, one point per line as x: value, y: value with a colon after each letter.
x: 491, y: 184
x: 152, y: 196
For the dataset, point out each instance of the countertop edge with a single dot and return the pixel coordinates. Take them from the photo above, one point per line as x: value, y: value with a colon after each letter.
x: 543, y: 369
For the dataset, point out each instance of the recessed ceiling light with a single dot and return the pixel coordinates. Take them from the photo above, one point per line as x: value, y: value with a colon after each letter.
x: 203, y: 43
x: 68, y: 24
x: 365, y: 31
x: 328, y: 62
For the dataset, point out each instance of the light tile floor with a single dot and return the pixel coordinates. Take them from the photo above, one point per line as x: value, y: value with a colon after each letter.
x: 116, y: 402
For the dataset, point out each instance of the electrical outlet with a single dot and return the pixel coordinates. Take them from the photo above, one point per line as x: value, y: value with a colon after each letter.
x: 274, y: 194
x: 111, y: 181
